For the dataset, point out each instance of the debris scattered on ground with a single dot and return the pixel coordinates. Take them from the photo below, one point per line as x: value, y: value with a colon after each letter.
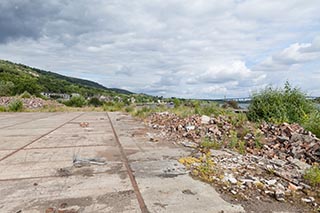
x: 272, y: 162
x: 80, y: 162
x: 29, y: 103
x: 64, y: 208
x: 84, y: 124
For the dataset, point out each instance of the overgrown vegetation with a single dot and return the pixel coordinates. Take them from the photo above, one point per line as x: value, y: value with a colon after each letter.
x: 280, y: 105
x: 15, y: 106
x: 76, y: 101
x: 312, y: 175
x: 113, y: 106
x: 277, y: 105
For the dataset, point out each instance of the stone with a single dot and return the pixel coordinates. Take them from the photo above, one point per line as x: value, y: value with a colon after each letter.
x: 232, y: 180
x: 233, y: 192
x: 205, y: 119
x: 301, y: 165
x: 189, y: 144
x: 292, y: 187
x: 271, y: 182
x: 306, y: 200
x: 279, y: 195
x: 189, y: 128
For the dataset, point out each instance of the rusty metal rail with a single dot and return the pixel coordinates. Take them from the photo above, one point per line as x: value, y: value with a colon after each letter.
x: 35, y: 140
x: 125, y: 160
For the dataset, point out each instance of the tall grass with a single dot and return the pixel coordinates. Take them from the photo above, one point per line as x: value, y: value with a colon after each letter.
x: 15, y: 106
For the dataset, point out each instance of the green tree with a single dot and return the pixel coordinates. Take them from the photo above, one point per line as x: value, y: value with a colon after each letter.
x: 6, y: 88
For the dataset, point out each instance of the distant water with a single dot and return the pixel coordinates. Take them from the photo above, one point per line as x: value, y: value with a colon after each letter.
x: 243, y: 105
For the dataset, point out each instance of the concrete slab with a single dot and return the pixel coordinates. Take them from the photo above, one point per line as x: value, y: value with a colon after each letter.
x: 163, y: 181
x: 43, y: 177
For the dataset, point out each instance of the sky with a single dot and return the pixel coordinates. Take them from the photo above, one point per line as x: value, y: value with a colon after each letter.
x: 181, y: 48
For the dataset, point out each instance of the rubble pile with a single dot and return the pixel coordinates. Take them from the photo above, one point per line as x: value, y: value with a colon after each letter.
x: 194, y: 127
x: 272, y: 169
x: 29, y: 103
x: 290, y: 141
x: 284, y: 142
x: 255, y: 177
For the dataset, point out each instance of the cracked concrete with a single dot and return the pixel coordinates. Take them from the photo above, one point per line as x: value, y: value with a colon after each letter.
x: 42, y: 176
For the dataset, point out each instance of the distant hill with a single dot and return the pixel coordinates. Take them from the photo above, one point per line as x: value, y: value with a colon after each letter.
x: 17, y: 78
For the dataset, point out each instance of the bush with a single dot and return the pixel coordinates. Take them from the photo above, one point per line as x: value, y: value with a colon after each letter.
x: 95, y: 102
x: 76, y: 101
x: 280, y: 105
x: 15, y: 106
x: 3, y: 109
x: 311, y: 123
x: 231, y: 104
x: 25, y: 94
x: 312, y: 175
x: 113, y: 106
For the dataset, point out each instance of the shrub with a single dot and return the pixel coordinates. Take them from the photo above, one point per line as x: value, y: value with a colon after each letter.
x: 25, y: 94
x: 76, y: 101
x: 312, y: 175
x: 280, y: 105
x: 95, y: 102
x: 113, y: 106
x: 210, y: 144
x: 3, y: 109
x: 232, y: 104
x: 143, y: 112
x: 15, y: 106
x: 311, y: 123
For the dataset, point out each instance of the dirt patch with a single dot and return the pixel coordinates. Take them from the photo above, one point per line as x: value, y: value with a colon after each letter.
x: 110, y: 155
x: 71, y: 205
x: 117, y: 201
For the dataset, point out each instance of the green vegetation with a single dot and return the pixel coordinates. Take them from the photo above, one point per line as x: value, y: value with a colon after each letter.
x: 209, y: 143
x: 15, y: 106
x: 284, y: 105
x: 95, y: 102
x: 280, y: 105
x: 25, y: 95
x: 113, y: 106
x: 312, y: 175
x: 18, y: 78
x: 76, y: 101
x: 311, y: 122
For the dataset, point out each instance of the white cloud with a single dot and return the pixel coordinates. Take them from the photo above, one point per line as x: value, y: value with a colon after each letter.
x: 161, y: 47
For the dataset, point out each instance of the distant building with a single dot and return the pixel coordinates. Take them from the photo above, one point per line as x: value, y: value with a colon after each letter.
x: 56, y: 95
x: 75, y: 95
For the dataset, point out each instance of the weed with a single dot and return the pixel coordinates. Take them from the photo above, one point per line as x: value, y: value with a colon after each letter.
x: 311, y: 123
x: 3, y: 109
x: 129, y: 109
x: 312, y: 175
x: 15, y: 106
x: 25, y: 94
x: 112, y: 106
x: 210, y: 144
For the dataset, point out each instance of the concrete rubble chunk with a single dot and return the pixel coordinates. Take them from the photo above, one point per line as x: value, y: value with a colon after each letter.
x: 205, y: 119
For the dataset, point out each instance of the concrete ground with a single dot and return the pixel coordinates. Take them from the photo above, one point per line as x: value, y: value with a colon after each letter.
x: 51, y: 163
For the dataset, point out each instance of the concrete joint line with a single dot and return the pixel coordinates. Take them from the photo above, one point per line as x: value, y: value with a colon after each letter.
x: 35, y: 140
x: 125, y: 160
